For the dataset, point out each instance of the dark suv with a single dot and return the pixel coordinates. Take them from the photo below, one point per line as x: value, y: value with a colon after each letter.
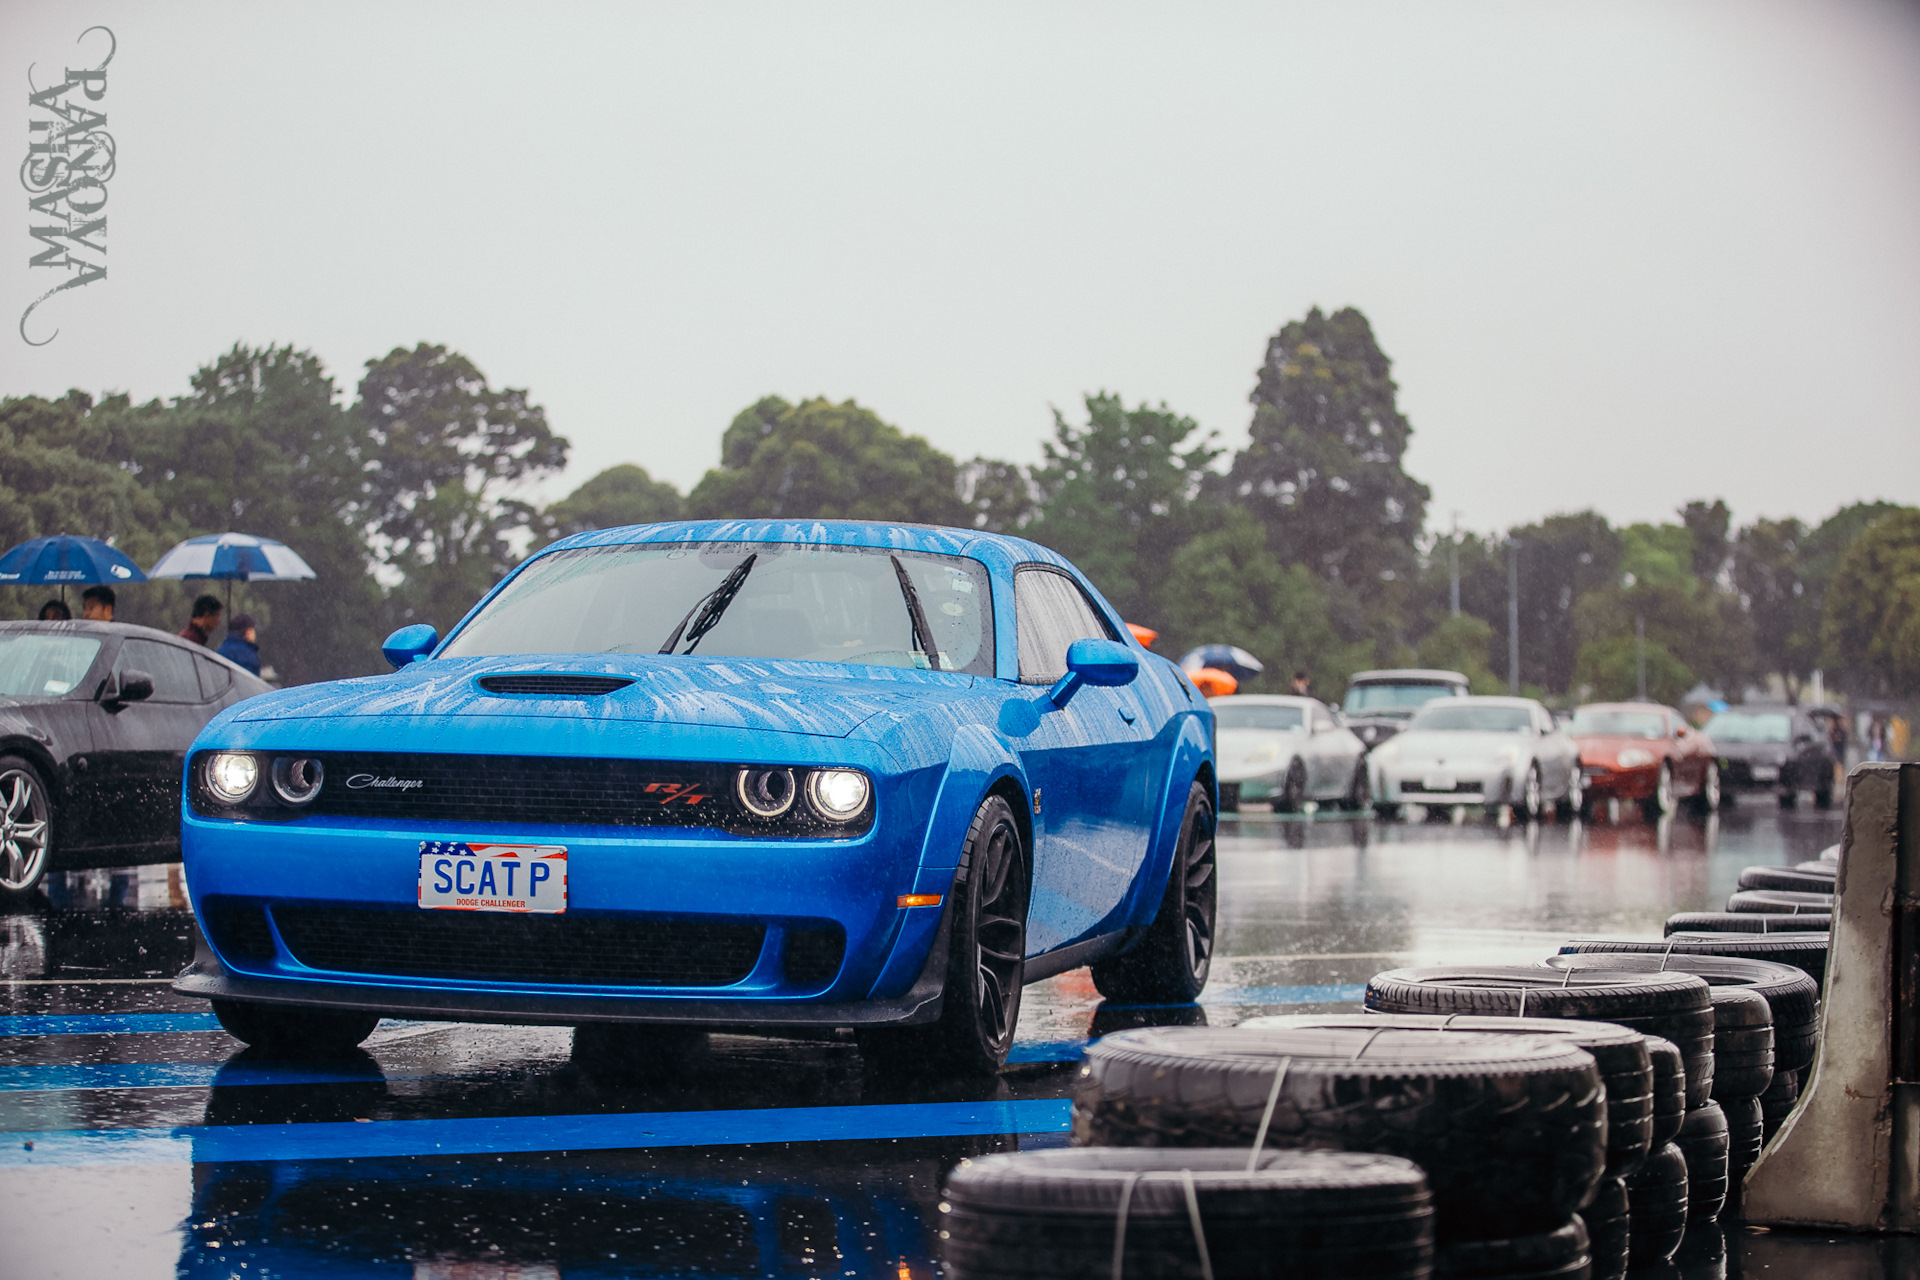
x: 1379, y: 703
x: 1772, y: 748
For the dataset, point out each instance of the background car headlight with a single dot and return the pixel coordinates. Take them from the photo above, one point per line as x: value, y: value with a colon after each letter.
x: 232, y: 777
x: 1635, y: 758
x: 296, y: 779
x: 838, y: 795
x: 765, y: 793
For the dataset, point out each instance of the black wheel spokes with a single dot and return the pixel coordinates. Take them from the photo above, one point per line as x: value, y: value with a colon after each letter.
x: 999, y: 933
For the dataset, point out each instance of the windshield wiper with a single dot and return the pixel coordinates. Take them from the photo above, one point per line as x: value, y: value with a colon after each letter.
x: 922, y: 633
x: 709, y: 607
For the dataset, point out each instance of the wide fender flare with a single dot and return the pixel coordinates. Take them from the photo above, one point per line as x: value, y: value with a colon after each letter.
x: 1192, y: 751
x: 978, y: 761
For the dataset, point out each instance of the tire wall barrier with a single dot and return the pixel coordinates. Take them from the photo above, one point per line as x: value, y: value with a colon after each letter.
x: 1848, y: 1156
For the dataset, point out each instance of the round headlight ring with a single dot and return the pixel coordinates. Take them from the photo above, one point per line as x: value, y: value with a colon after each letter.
x: 297, y: 779
x: 765, y: 793
x: 838, y: 795
x: 232, y: 776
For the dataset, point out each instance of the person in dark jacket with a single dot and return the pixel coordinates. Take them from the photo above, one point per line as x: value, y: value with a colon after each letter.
x: 55, y: 611
x: 242, y: 645
x: 206, y: 616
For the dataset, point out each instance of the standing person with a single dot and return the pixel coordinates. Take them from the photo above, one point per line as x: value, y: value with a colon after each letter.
x: 55, y: 611
x: 206, y: 616
x: 1302, y: 685
x: 242, y: 645
x: 96, y: 604
x: 1877, y: 738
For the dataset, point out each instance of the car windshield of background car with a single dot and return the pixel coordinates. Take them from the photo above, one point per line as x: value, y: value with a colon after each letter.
x: 1392, y: 697
x: 43, y: 666
x: 1739, y: 727
x: 1474, y: 719
x: 1617, y: 724
x: 804, y: 603
x: 1256, y: 716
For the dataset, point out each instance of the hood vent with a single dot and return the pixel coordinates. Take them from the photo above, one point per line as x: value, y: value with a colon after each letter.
x: 554, y: 686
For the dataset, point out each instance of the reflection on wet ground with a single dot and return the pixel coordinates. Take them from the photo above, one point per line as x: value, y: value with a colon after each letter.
x: 139, y: 1140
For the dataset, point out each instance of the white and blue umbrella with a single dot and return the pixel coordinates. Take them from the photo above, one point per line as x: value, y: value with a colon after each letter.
x: 232, y: 556
x: 66, y: 559
x: 1230, y: 658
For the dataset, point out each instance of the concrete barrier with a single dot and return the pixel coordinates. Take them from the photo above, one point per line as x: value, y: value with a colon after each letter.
x: 1849, y: 1156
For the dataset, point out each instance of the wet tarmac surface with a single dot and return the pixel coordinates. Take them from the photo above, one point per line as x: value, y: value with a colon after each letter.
x: 136, y: 1140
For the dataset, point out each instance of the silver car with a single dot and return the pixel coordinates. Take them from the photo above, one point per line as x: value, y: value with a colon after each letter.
x: 1480, y: 751
x: 1286, y: 751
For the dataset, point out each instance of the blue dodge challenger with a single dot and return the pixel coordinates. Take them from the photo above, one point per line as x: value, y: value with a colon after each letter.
x: 746, y: 775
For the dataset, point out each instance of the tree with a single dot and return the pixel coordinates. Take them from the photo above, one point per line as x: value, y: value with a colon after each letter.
x: 1322, y: 471
x: 1708, y: 523
x: 1872, y: 617
x: 823, y: 461
x: 448, y: 451
x: 1782, y: 603
x: 1462, y: 642
x: 1611, y: 669
x: 1000, y: 495
x: 1114, y: 495
x: 620, y: 495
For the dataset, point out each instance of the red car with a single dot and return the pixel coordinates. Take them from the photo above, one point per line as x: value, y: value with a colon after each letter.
x: 1639, y: 751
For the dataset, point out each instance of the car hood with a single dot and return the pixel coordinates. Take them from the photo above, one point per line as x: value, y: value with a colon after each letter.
x: 1454, y: 746
x: 1606, y: 748
x: 1764, y: 752
x: 1246, y: 752
x: 819, y: 699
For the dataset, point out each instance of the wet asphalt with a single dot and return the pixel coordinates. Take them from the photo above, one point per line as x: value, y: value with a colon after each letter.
x: 137, y: 1140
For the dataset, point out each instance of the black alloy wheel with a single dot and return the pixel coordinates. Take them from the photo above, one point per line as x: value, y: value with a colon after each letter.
x: 986, y: 960
x: 1293, y: 792
x: 1170, y: 965
x: 26, y: 827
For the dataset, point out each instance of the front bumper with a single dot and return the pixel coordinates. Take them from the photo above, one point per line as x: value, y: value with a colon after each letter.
x: 1605, y: 783
x: 1414, y: 784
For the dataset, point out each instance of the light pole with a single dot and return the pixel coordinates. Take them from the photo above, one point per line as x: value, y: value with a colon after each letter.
x: 1640, y: 653
x: 1513, y: 615
x: 1453, y: 553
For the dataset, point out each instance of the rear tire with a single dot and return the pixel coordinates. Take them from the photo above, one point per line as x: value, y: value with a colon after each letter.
x: 1530, y: 804
x: 295, y: 1030
x: 26, y: 827
x: 1171, y: 964
x: 1574, y: 803
x: 987, y: 946
x: 1360, y: 790
x: 1293, y: 792
x: 1709, y: 798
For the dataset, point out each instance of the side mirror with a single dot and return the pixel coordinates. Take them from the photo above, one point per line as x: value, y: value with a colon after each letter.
x: 409, y: 644
x: 1107, y: 663
x: 135, y: 686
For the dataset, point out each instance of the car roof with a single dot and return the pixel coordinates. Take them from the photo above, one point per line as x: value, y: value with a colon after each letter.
x: 1490, y: 700
x: 129, y: 630
x: 1407, y: 675
x: 931, y: 539
x: 1626, y: 706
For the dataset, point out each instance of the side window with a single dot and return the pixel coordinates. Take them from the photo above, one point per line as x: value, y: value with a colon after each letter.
x: 1050, y: 613
x: 215, y: 679
x: 1322, y: 719
x: 171, y: 668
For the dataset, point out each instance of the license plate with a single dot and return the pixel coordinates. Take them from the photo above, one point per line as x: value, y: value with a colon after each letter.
x: 1440, y: 782
x: 522, y: 878
x: 1765, y: 773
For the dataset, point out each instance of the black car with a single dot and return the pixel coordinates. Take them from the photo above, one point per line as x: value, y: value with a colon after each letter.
x: 1379, y: 703
x: 95, y: 721
x: 1772, y: 748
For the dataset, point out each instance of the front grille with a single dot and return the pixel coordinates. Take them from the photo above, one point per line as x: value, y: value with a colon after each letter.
x: 237, y: 929
x: 489, y: 946
x: 814, y: 953
x: 554, y: 686
x: 1412, y: 786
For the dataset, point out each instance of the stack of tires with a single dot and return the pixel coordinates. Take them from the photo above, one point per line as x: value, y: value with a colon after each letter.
x: 1804, y: 951
x: 1511, y: 1130
x: 1796, y: 899
x: 1674, y: 1011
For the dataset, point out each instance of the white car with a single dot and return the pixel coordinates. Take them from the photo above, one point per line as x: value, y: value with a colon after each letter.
x: 1286, y: 750
x: 1491, y: 751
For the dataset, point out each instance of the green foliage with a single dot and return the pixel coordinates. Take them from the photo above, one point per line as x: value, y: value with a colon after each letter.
x: 1872, y: 617
x: 1657, y: 555
x: 1115, y: 495
x: 1609, y: 668
x: 999, y: 495
x: 824, y: 461
x: 1782, y: 599
x: 1707, y: 524
x: 620, y: 495
x: 1462, y: 643
x: 1322, y: 470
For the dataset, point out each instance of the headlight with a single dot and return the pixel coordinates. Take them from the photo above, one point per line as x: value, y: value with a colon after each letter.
x: 765, y: 793
x: 232, y: 777
x: 1635, y: 758
x: 296, y: 779
x: 838, y: 795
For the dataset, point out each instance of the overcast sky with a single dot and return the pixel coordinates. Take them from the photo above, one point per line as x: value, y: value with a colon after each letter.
x: 1622, y: 255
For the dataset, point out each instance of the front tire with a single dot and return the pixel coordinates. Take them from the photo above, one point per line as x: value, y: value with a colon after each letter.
x: 1527, y: 808
x: 1360, y: 790
x: 26, y: 827
x: 986, y: 960
x: 295, y: 1030
x: 1574, y: 803
x: 1171, y: 964
x: 1293, y: 792
x: 1709, y: 798
x: 1661, y: 802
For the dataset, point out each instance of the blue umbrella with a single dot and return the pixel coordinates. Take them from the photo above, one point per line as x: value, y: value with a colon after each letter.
x: 65, y: 559
x: 1232, y: 659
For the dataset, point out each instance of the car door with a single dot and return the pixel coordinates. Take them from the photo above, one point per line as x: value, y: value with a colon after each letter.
x: 1329, y: 771
x: 1086, y: 762
x: 1558, y: 755
x: 139, y: 748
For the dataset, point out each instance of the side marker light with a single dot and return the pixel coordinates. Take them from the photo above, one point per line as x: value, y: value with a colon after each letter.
x: 920, y: 899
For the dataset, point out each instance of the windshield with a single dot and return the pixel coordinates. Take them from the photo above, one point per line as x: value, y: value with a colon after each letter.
x: 814, y: 604
x: 1474, y: 719
x: 1618, y: 724
x: 43, y: 666
x: 1256, y: 716
x: 1394, y: 697
x: 1738, y: 726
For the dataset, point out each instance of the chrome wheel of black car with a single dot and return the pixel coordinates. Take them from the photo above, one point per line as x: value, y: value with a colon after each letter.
x: 1170, y: 965
x: 26, y: 826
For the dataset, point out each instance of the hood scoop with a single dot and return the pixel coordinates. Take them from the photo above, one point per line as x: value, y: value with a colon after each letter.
x: 553, y: 685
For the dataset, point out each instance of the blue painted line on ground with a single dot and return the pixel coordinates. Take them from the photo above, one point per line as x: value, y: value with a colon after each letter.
x: 43, y: 1077
x: 104, y: 1024
x: 515, y: 1134
x: 1048, y: 1051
